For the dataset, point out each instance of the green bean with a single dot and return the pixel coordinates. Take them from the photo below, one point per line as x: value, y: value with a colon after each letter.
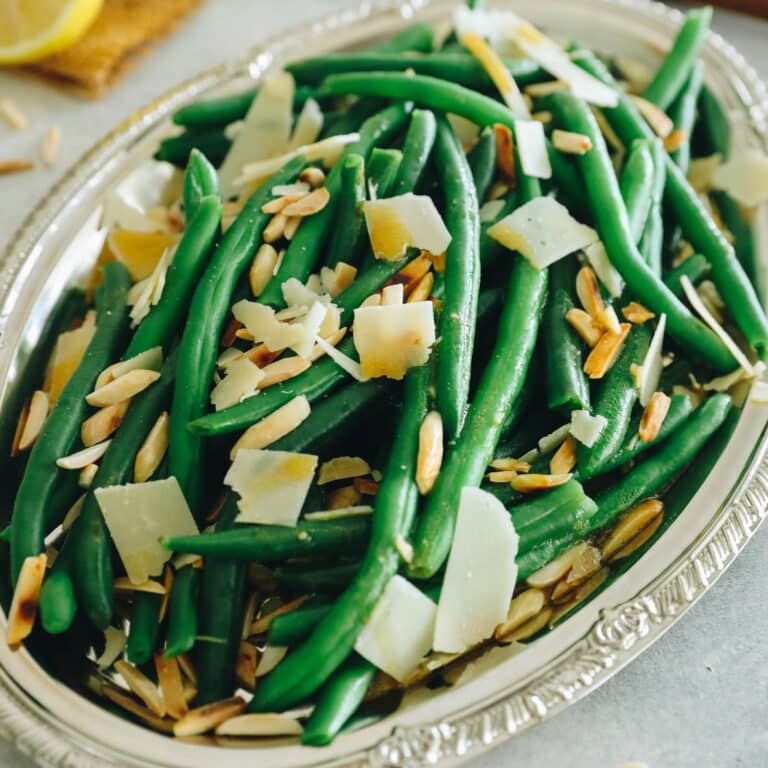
x: 418, y: 38
x: 651, y: 475
x: 567, y: 387
x: 696, y: 223
x: 482, y: 163
x: 350, y: 119
x: 714, y: 122
x: 61, y: 430
x: 305, y: 669
x: 349, y: 219
x: 57, y: 596
x: 273, y: 543
x: 214, y: 144
x: 652, y: 242
x: 182, y: 612
x: 456, y: 326
x: 337, y: 701
x: 333, y: 578
x: 200, y: 181
x: 612, y: 224
x: 461, y: 68
x: 211, y: 304
x: 291, y: 628
x: 93, y: 549
x: 302, y: 254
x: 565, y: 179
x: 144, y: 627
x: 636, y: 184
x: 382, y: 169
x: 615, y: 400
x: 695, y: 268
x: 676, y: 68
x: 417, y: 147
x: 683, y: 114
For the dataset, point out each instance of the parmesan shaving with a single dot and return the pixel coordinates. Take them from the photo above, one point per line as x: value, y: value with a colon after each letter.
x: 609, y: 276
x: 352, y: 367
x: 587, y: 428
x: 744, y: 176
x: 241, y: 380
x: 652, y: 365
x: 532, y: 149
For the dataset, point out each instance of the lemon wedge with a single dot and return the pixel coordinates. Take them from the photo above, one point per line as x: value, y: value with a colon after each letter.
x: 33, y: 29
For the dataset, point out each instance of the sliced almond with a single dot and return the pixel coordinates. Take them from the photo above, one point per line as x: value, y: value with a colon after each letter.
x: 15, y: 166
x: 530, y: 627
x: 502, y: 476
x: 152, y: 450
x: 260, y: 725
x: 498, y: 190
x: 246, y: 665
x: 51, y: 145
x: 605, y: 352
x: 23, y: 610
x: 647, y: 514
x: 171, y: 686
x: 150, y: 359
x: 430, y: 455
x: 122, y: 699
x: 535, y: 482
x: 290, y: 313
x: 87, y: 474
x: 392, y: 295
x: 544, y: 116
x: 279, y: 204
x: 230, y: 333
x: 283, y: 370
x: 514, y: 465
x: 675, y: 140
x: 12, y: 114
x: 244, y: 334
x: 411, y: 273
x: 522, y: 609
x: 659, y: 121
x: 635, y: 312
x: 124, y: 584
x: 584, y: 324
x: 292, y: 227
x: 423, y: 289
x: 208, y: 717
x: 186, y: 665
x: 333, y: 340
x: 584, y: 566
x: 345, y: 275
x: 310, y: 204
x: 122, y: 388
x: 343, y: 498
x: 571, y: 143
x: 36, y: 416
x: 374, y: 300
x: 263, y: 623
x: 274, y: 230
x: 505, y: 154
x: 83, y: 458
x: 555, y: 570
x: 365, y: 486
x: 23, y: 415
x: 608, y: 320
x: 261, y: 356
x: 653, y: 416
x: 588, y: 291
x: 564, y: 458
x: 580, y: 594
x: 98, y: 427
x: 142, y: 686
x: 262, y: 268
x: 342, y: 468
x: 278, y: 424
x: 313, y: 176
x: 539, y: 90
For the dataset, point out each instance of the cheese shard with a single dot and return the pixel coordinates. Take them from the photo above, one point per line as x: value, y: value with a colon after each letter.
x: 543, y: 231
x: 609, y: 276
x: 241, y: 380
x: 587, y: 428
x: 396, y: 224
x: 311, y: 323
x: 260, y: 320
x: 532, y: 149
x: 744, y: 176
x: 392, y: 338
x: 137, y: 516
x: 480, y: 575
x: 272, y: 485
x: 652, y: 364
x: 399, y: 632
x: 309, y: 124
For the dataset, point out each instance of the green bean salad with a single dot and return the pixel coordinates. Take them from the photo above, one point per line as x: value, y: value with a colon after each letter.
x: 399, y: 356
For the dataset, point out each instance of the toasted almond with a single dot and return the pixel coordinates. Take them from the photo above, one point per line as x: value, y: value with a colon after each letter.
x: 12, y: 114
x: 534, y: 482
x: 588, y: 291
x: 283, y: 370
x: 218, y: 505
x: 605, y: 352
x: 167, y: 586
x: 333, y: 340
x: 206, y: 718
x: 411, y: 273
x: 36, y: 416
x: 515, y: 465
x: 365, y: 486
x: 51, y: 145
x: 278, y: 424
x: 249, y: 612
x: 374, y: 300
x: 430, y: 455
x: 98, y: 427
x: 580, y: 594
x: 675, y: 140
x: 422, y: 290
x: 557, y: 568
x: 564, y: 458
x: 659, y: 121
x: 263, y: 623
x: 522, y: 609
x: 122, y: 388
x: 275, y: 229
x: 634, y: 544
x: 583, y: 323
x: 261, y: 356
x: 260, y: 725
x: 230, y: 333
x: 87, y: 473
x: 343, y: 498
x: 653, y: 416
x: 124, y: 584
x: 502, y: 476
x: 531, y: 627
x: 392, y: 295
x: 23, y: 610
x: 23, y: 415
x: 245, y: 667
x: 244, y: 334
x: 498, y: 189
x: 287, y: 314
x: 14, y: 166
x: 186, y: 665
x: 171, y: 686
x: 310, y: 204
x: 142, y: 686
x: 544, y: 116
x: 584, y: 566
x: 292, y: 227
x: 345, y: 275
x: 342, y: 468
x: 571, y: 143
x: 83, y: 458
x: 152, y: 450
x: 122, y: 699
x: 635, y: 312
x: 313, y: 176
x: 505, y: 156
x: 539, y: 90
x: 631, y: 525
x: 279, y: 204
x: 262, y: 268
x: 608, y: 320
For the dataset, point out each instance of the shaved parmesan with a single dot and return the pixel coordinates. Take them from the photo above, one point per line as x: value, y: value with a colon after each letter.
x: 146, y: 293
x: 241, y: 380
x: 311, y: 323
x: 352, y: 367
x: 399, y: 632
x: 407, y: 221
x: 652, y: 365
x: 266, y: 129
x: 272, y: 485
x: 260, y: 320
x: 724, y: 383
x: 701, y: 171
x: 480, y: 575
x: 490, y: 211
x: 296, y: 294
x: 758, y: 395
x: 138, y: 516
x: 609, y: 276
x: 543, y: 231
x: 308, y: 125
x: 744, y: 176
x: 587, y: 428
x: 532, y: 149
x: 390, y: 339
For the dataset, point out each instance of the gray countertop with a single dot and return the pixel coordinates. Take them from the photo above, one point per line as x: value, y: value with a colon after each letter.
x: 699, y: 697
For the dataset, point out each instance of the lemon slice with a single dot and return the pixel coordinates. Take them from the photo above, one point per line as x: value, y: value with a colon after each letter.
x: 139, y: 251
x: 32, y: 29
